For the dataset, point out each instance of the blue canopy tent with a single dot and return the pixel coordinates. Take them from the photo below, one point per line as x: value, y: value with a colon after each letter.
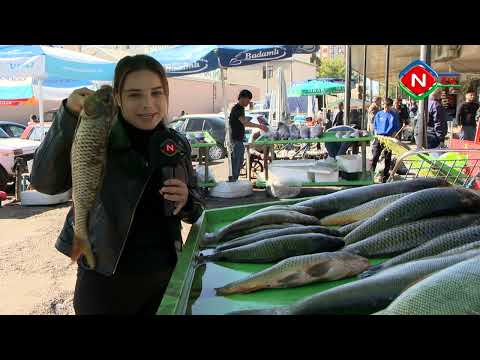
x: 43, y: 62
x: 194, y: 59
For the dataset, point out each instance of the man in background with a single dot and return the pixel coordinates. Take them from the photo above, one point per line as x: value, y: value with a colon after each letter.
x: 385, y: 123
x: 466, y: 116
x: 374, y: 107
x: 238, y: 122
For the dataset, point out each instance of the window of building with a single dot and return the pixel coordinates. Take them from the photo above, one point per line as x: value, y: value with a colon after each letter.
x: 267, y: 70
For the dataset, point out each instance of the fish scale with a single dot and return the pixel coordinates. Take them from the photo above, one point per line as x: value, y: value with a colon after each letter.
x: 365, y: 296
x: 345, y: 199
x: 278, y: 248
x: 437, y: 245
x: 360, y: 212
x: 270, y: 217
x: 407, y: 236
x: 451, y: 291
x: 415, y: 206
x: 244, y: 240
x: 88, y: 160
x: 300, y: 270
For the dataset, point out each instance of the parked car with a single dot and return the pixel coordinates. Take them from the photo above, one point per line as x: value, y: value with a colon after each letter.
x: 34, y: 131
x: 9, y: 149
x: 213, y: 123
x: 12, y: 129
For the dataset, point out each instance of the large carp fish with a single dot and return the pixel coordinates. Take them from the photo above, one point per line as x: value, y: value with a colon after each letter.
x: 89, y: 158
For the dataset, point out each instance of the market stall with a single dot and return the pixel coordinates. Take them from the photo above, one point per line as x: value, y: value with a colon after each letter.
x: 207, y: 143
x: 366, y: 177
x: 223, y: 270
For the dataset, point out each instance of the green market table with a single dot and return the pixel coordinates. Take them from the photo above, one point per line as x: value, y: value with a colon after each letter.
x: 327, y: 137
x: 191, y: 290
x: 203, y: 156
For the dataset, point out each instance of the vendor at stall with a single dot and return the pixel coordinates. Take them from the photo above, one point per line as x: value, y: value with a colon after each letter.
x: 238, y: 122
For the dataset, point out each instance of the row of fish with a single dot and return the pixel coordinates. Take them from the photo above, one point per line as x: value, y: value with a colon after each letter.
x: 380, y: 223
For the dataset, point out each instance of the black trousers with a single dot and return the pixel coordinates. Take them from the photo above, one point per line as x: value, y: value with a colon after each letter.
x: 119, y: 294
x: 377, y: 149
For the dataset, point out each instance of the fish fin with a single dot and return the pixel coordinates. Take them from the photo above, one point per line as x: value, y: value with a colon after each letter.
x: 319, y: 269
x: 82, y: 247
x: 371, y: 271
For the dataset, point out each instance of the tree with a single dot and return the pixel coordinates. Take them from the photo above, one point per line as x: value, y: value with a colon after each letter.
x: 332, y: 67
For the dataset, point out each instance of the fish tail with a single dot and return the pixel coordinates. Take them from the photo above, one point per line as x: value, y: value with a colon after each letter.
x: 82, y: 246
x: 371, y: 271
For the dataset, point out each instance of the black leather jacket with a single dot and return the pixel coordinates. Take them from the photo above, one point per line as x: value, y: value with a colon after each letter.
x: 126, y: 177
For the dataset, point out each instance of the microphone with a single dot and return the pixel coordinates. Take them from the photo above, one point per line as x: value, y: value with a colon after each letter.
x: 165, y: 154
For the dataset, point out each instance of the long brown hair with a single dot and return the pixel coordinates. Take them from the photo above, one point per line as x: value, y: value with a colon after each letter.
x: 129, y: 64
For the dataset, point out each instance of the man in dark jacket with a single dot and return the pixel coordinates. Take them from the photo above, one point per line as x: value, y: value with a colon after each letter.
x: 338, y: 118
x: 466, y: 116
x: 437, y: 126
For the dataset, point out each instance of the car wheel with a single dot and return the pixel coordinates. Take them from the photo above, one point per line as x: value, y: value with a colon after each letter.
x: 3, y: 179
x: 216, y: 153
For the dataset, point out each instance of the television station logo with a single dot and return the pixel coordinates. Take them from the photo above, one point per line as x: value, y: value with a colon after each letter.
x: 419, y: 80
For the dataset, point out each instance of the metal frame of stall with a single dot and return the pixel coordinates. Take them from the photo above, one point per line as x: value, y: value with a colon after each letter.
x: 366, y: 179
x: 203, y: 157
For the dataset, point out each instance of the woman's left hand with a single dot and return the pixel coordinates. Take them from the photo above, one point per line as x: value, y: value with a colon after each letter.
x: 176, y: 191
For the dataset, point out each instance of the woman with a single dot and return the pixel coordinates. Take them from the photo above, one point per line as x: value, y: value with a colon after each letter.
x: 134, y: 240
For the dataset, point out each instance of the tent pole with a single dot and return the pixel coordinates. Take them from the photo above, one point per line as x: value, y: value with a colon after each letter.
x: 364, y: 95
x: 228, y: 138
x: 40, y: 107
x: 348, y: 77
x: 387, y: 68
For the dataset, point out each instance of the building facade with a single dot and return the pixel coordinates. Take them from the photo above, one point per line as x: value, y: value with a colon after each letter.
x: 331, y: 51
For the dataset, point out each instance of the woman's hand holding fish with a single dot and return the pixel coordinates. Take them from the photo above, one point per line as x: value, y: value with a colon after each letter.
x: 77, y: 98
x: 176, y: 191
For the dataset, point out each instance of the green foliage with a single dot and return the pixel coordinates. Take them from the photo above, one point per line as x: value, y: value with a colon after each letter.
x: 332, y: 67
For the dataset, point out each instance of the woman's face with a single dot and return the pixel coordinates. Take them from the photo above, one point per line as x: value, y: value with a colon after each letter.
x: 143, y: 100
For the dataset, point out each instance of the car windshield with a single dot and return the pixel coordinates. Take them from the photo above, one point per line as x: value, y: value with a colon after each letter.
x: 3, y: 134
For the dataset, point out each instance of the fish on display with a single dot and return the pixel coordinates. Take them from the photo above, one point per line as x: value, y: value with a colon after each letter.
x: 451, y: 291
x: 437, y: 245
x: 402, y: 238
x: 415, y: 206
x: 460, y: 249
x: 365, y: 296
x: 301, y: 209
x: 268, y: 217
x: 210, y: 239
x: 316, y: 131
x: 305, y: 132
x: 283, y: 131
x: 360, y: 212
x: 88, y: 159
x: 278, y: 248
x: 294, y: 132
x: 300, y: 270
x: 262, y: 235
x: 345, y: 229
x: 345, y: 199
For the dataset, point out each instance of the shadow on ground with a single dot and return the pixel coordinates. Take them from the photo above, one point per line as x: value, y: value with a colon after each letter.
x: 17, y: 211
